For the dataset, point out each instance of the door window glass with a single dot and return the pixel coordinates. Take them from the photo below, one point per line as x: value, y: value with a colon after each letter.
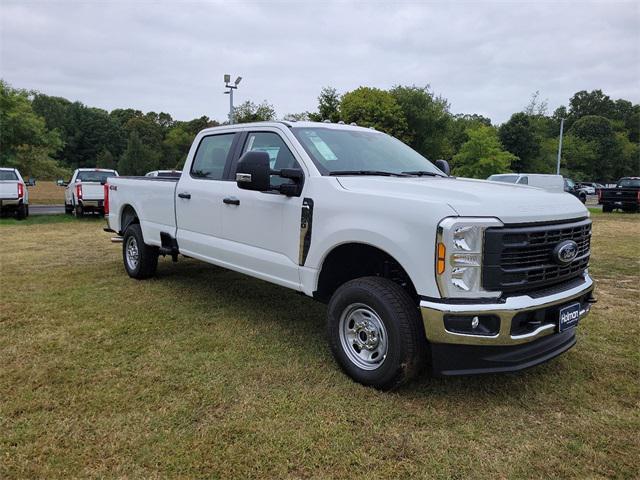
x: 211, y: 156
x: 279, y: 154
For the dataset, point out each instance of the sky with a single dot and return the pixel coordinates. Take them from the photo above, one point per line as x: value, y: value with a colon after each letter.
x: 483, y: 57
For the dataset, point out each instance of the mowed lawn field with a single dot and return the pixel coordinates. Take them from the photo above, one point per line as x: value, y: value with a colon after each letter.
x: 46, y: 193
x: 206, y: 373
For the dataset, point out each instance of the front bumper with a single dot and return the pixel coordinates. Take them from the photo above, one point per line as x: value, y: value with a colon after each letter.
x: 516, y: 345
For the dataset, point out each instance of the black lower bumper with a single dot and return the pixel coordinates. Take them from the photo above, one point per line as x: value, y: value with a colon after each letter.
x: 449, y: 359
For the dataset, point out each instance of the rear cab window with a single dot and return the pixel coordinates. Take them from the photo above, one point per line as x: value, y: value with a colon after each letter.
x: 8, y: 175
x: 212, y: 156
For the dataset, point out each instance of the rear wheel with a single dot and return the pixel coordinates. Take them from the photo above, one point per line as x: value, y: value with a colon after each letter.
x: 376, y: 332
x: 607, y: 208
x: 140, y: 259
x: 68, y: 209
x: 78, y: 211
x: 21, y: 212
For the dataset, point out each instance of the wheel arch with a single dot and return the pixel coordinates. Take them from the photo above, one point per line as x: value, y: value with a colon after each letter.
x: 352, y: 260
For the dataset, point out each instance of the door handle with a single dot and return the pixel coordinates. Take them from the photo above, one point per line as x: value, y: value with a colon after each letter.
x: 231, y: 201
x: 185, y: 195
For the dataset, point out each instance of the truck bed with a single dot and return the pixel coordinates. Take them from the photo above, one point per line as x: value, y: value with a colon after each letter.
x: 153, y: 198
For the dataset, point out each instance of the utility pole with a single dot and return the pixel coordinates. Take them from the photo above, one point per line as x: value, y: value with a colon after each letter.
x: 560, y: 146
x: 227, y: 79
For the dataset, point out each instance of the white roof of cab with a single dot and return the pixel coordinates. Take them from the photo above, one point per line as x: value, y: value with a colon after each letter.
x: 290, y: 124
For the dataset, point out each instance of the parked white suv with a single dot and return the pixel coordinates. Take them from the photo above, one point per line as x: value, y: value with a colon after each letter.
x: 417, y: 267
x: 14, y: 196
x: 84, y: 192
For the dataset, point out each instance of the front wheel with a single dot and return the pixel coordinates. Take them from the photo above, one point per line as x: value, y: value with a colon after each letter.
x: 140, y: 259
x: 22, y: 212
x: 376, y: 332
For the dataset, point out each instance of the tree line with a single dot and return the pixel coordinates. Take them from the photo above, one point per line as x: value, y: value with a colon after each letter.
x: 47, y: 136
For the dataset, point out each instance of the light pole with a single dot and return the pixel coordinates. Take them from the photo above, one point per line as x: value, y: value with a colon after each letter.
x: 227, y: 79
x: 560, y: 146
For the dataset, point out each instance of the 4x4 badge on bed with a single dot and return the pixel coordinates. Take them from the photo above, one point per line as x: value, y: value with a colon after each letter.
x: 565, y: 252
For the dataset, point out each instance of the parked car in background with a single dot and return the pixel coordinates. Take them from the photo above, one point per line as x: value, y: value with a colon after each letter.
x: 551, y: 183
x: 571, y: 187
x: 590, y: 188
x: 625, y: 195
x: 14, y: 196
x: 84, y: 192
x: 417, y: 267
x: 164, y: 173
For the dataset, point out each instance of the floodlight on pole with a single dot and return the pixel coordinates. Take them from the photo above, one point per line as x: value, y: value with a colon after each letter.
x: 227, y: 79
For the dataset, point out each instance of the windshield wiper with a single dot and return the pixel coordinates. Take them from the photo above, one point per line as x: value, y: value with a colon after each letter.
x: 380, y: 173
x: 423, y: 173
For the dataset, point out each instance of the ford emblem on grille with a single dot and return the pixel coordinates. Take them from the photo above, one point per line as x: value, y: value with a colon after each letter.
x: 565, y: 252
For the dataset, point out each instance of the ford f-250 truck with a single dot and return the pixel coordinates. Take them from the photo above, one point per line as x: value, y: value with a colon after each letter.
x: 417, y: 267
x: 84, y: 192
x: 14, y: 196
x: 625, y: 195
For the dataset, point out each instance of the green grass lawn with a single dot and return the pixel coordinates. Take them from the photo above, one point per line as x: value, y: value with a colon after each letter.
x: 206, y: 373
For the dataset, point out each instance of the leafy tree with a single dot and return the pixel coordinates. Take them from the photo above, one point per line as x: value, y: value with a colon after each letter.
x: 25, y: 141
x: 482, y: 155
x: 428, y: 120
x: 372, y: 107
x: 297, y: 117
x: 458, y: 127
x: 175, y: 147
x: 250, y: 112
x: 138, y: 158
x: 328, y: 106
x: 600, y: 133
x: 105, y: 159
x: 585, y: 103
x: 518, y: 136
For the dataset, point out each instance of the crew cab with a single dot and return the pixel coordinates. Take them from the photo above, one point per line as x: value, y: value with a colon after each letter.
x: 418, y: 268
x: 14, y: 196
x: 84, y: 192
x: 625, y: 195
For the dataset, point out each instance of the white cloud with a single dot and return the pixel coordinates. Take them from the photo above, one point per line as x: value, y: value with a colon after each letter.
x: 483, y: 57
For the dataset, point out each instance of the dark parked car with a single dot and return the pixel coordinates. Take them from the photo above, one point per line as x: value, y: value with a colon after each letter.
x: 625, y: 195
x: 571, y: 187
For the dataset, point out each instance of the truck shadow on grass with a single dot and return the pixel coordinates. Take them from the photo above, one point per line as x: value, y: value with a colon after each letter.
x: 297, y: 323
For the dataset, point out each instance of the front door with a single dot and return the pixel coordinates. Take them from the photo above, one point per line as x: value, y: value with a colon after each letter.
x: 265, y: 226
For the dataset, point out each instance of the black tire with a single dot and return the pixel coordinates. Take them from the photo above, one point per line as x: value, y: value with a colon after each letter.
x: 147, y: 260
x: 27, y: 211
x: 21, y: 212
x: 582, y: 197
x: 389, y: 303
x: 607, y: 208
x: 68, y: 209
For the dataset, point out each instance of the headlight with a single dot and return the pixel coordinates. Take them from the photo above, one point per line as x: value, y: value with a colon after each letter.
x: 459, y: 256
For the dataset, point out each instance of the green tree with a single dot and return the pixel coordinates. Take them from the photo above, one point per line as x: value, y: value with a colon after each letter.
x: 175, y: 147
x: 482, y: 155
x: 428, y: 120
x: 297, y: 117
x: 585, y: 103
x: 105, y: 159
x: 518, y: 136
x: 138, y: 158
x: 25, y: 141
x: 372, y: 107
x: 250, y: 112
x: 328, y: 106
x: 600, y: 133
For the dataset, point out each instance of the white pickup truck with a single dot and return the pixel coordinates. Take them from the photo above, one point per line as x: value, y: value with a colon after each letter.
x: 14, y: 196
x: 417, y: 267
x: 84, y: 192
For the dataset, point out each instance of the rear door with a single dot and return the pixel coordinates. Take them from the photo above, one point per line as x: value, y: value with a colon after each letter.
x: 199, y: 195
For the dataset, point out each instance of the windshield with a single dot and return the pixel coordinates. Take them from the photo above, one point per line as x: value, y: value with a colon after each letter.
x: 629, y: 182
x: 504, y: 178
x: 95, y: 176
x: 8, y: 175
x: 360, y: 151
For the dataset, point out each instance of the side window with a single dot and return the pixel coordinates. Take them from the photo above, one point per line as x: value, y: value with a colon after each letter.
x: 211, y: 156
x: 524, y: 181
x: 279, y: 154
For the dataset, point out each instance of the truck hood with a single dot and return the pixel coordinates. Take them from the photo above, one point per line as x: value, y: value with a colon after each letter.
x: 475, y: 198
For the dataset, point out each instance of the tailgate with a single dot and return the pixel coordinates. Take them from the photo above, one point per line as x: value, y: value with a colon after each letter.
x: 9, y: 189
x: 92, y: 191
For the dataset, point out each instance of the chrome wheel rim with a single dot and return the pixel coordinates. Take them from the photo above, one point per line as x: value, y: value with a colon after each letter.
x: 363, y: 336
x: 131, y: 253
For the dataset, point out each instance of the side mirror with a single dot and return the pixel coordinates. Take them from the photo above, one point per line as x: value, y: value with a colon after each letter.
x: 253, y: 172
x: 61, y: 183
x: 444, y: 166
